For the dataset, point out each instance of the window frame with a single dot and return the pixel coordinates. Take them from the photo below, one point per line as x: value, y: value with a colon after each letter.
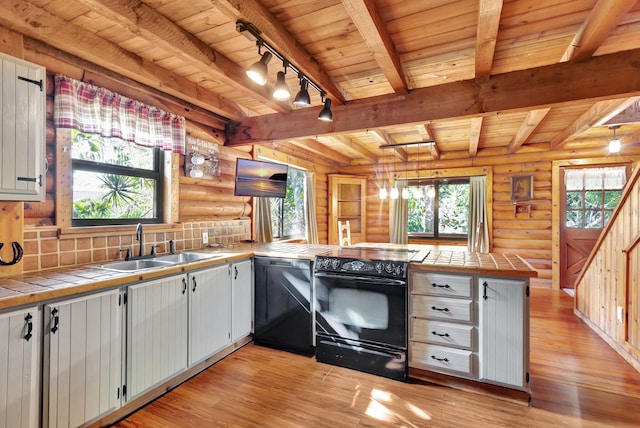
x: 437, y: 236
x: 157, y: 174
x: 280, y: 235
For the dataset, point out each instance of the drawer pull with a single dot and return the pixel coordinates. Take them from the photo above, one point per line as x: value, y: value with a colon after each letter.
x: 445, y: 359
x: 440, y: 334
x: 440, y: 309
x: 440, y: 285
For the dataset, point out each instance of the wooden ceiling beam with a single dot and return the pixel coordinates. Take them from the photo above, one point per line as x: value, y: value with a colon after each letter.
x: 598, y: 114
x: 552, y: 85
x: 41, y: 25
x: 486, y: 36
x: 362, y: 150
x: 280, y: 38
x: 366, y: 17
x: 528, y: 125
x: 602, y: 20
x: 629, y: 115
x: 146, y: 23
x: 474, y: 135
x: 426, y: 132
x: 314, y: 146
x: 387, y: 140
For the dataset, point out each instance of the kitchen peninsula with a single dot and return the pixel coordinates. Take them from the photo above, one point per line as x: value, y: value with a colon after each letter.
x: 463, y: 346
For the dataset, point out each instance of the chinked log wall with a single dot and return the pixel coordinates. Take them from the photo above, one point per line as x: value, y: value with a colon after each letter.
x: 531, y: 237
x: 611, y: 279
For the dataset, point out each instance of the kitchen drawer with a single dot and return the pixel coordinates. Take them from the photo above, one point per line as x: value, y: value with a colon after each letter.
x: 440, y: 284
x: 442, y: 308
x: 441, y: 358
x: 444, y: 333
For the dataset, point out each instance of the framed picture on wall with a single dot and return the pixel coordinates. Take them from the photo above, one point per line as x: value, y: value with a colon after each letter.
x: 521, y: 187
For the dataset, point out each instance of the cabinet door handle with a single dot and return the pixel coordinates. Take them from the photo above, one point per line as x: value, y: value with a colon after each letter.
x: 440, y: 334
x: 29, y: 324
x: 56, y: 320
x: 440, y: 285
x: 445, y: 359
x: 440, y: 309
x: 235, y: 269
x: 194, y: 284
x: 184, y: 285
x: 484, y: 290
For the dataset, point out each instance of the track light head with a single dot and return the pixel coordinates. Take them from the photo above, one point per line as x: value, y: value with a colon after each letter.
x: 302, y: 97
x: 281, y: 90
x: 258, y: 71
x: 325, y: 114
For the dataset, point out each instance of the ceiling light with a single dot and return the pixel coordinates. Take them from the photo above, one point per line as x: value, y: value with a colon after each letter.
x: 258, y: 71
x: 383, y: 193
x: 406, y: 194
x: 614, y: 143
x: 302, y: 97
x: 281, y: 90
x: 325, y: 114
x: 394, y: 193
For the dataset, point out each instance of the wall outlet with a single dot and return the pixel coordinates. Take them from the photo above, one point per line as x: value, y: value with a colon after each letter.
x: 620, y: 314
x: 205, y: 237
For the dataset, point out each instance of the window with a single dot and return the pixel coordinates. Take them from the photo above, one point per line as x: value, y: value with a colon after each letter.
x: 114, y: 181
x: 287, y: 214
x: 591, y: 196
x: 440, y: 210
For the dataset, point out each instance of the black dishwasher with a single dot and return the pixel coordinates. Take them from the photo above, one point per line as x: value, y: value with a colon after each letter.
x: 282, y: 310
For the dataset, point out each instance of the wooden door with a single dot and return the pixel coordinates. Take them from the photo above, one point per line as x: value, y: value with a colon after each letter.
x: 19, y: 364
x: 83, y: 360
x: 156, y: 332
x: 583, y: 215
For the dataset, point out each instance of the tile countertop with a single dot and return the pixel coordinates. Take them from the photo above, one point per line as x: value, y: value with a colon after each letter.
x: 35, y: 287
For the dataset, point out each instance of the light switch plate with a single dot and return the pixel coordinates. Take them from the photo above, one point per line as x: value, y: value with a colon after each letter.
x: 205, y: 237
x: 620, y: 314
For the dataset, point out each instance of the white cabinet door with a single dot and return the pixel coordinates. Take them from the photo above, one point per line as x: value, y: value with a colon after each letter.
x: 209, y: 312
x: 19, y: 364
x: 504, y: 331
x: 22, y: 130
x: 241, y: 299
x: 83, y: 360
x: 156, y: 332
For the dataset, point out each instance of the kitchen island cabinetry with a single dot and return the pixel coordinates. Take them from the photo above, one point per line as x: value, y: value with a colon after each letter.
x: 82, y: 359
x: 470, y: 326
x: 19, y: 363
x: 157, y: 341
x: 241, y: 299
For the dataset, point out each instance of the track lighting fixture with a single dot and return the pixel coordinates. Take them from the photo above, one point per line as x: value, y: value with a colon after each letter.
x: 302, y: 97
x: 281, y: 90
x: 258, y: 71
x: 614, y: 144
x: 325, y: 114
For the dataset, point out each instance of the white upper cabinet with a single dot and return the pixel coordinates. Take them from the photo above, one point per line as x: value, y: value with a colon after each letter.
x: 22, y: 130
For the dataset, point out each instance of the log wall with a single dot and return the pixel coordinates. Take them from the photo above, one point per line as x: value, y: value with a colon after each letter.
x: 608, y: 289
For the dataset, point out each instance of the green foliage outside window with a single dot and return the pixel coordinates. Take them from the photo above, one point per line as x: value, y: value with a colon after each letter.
x: 287, y: 214
x: 441, y: 210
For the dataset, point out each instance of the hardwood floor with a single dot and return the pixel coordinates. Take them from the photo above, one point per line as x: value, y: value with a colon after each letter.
x: 576, y: 380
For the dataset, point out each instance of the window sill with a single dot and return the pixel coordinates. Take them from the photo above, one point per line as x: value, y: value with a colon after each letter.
x: 91, y: 231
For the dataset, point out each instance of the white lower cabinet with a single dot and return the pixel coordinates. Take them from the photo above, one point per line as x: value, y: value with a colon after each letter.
x: 83, y: 359
x: 157, y: 340
x: 209, y: 312
x: 19, y: 365
x: 504, y: 331
x: 241, y: 299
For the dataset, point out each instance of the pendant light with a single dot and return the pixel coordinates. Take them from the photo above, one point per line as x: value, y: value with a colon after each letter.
x: 280, y: 89
x: 258, y: 71
x: 614, y: 144
x: 405, y: 189
x: 393, y: 194
x: 431, y: 191
x: 325, y: 114
x: 417, y: 190
x: 382, y: 194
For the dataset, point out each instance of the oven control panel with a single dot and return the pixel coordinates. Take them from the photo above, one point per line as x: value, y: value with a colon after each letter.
x: 381, y: 268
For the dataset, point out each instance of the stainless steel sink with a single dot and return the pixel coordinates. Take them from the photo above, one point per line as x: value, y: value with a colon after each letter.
x: 187, y: 257
x: 136, y: 265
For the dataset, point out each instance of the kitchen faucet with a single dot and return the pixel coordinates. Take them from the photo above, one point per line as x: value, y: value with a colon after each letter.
x: 140, y: 237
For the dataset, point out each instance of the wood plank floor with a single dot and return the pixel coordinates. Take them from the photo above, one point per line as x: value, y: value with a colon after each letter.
x: 576, y: 379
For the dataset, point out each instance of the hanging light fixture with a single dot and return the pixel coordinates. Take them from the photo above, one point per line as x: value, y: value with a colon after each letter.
x: 258, y: 71
x: 431, y: 191
x: 614, y: 143
x: 302, y: 98
x: 325, y: 114
x: 405, y: 190
x: 383, y: 190
x: 281, y: 90
x: 417, y: 190
x: 393, y: 193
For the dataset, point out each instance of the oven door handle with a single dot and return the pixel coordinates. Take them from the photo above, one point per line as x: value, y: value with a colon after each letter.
x: 369, y: 279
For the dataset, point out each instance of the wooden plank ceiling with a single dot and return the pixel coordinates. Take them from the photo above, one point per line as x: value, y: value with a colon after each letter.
x: 474, y: 76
